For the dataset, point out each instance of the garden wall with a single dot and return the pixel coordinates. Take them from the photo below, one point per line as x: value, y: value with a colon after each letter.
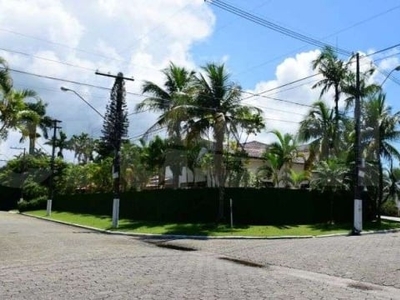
x: 250, y: 206
x: 9, y: 198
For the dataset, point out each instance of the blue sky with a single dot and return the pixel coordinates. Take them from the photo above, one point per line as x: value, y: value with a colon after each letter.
x: 140, y: 37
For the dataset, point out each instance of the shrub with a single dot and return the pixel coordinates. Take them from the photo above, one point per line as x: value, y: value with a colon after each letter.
x: 389, y: 208
x: 33, y: 190
x: 34, y: 204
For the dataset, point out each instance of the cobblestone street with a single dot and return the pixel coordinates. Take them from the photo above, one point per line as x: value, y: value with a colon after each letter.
x: 45, y: 260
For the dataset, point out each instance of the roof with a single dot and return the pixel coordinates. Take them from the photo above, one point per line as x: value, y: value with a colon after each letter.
x: 255, y: 149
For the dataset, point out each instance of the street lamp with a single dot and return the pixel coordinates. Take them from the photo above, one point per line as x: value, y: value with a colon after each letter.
x: 116, y: 165
x: 390, y: 73
x: 64, y: 89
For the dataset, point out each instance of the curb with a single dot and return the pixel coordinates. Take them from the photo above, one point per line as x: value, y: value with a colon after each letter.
x: 202, y: 237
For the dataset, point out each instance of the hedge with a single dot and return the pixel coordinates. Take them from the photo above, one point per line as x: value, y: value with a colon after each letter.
x: 250, y: 206
x: 9, y: 197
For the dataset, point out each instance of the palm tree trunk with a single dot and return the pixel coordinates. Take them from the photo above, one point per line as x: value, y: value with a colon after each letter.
x: 32, y: 145
x: 380, y: 190
x: 219, y: 147
x: 336, y: 128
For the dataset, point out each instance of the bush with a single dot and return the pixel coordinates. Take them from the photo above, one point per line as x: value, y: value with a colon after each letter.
x: 34, y: 204
x: 33, y: 190
x: 389, y: 208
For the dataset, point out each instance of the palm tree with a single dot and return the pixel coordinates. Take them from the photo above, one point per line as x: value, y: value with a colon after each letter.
x: 178, y: 86
x: 286, y: 151
x: 154, y: 158
x: 379, y: 117
x: 335, y: 72
x: 330, y: 175
x: 61, y: 143
x: 12, y: 102
x: 216, y: 107
x: 271, y: 169
x: 365, y: 89
x: 33, y: 117
x: 319, y: 127
x: 83, y: 146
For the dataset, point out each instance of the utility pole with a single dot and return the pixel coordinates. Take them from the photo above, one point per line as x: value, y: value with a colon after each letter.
x: 358, y: 173
x: 53, y: 152
x: 116, y: 172
x: 23, y: 171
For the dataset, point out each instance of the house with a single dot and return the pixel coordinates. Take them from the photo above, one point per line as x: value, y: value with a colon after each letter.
x: 254, y: 149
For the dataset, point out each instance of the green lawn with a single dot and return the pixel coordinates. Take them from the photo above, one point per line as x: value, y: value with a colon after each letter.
x: 104, y: 222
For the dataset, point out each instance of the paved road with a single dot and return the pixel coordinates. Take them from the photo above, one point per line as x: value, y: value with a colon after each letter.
x: 44, y: 260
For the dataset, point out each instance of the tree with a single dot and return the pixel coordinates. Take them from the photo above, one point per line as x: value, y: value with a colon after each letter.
x: 217, y: 106
x: 335, y: 72
x: 83, y: 147
x: 115, y: 126
x: 286, y: 151
x: 178, y: 86
x: 384, y: 125
x: 154, y: 158
x: 32, y: 117
x: 61, y: 143
x: 330, y: 175
x: 271, y: 168
x: 12, y: 101
x: 318, y: 126
x: 135, y: 174
x: 296, y: 178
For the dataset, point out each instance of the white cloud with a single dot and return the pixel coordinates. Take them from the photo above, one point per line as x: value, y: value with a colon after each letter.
x: 138, y: 38
x: 283, y: 115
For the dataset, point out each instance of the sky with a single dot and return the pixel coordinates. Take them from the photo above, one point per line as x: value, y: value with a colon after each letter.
x: 50, y: 44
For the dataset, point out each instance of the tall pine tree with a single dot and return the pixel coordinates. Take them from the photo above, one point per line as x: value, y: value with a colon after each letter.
x: 115, y: 126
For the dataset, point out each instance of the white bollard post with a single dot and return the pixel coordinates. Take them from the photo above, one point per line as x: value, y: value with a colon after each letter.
x: 115, y: 213
x: 48, y: 208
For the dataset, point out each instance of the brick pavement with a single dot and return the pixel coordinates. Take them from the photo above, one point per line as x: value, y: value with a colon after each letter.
x: 44, y: 260
x: 373, y: 258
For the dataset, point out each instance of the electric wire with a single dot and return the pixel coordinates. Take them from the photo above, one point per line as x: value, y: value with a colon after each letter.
x: 68, y: 81
x: 275, y: 27
x: 260, y: 94
x: 324, y: 38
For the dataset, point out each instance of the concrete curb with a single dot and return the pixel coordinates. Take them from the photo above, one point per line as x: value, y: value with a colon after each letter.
x: 202, y: 237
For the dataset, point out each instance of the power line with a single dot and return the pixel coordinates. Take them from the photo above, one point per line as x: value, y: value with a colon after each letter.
x: 324, y: 38
x: 58, y: 44
x: 47, y: 59
x: 66, y: 46
x: 156, y: 27
x: 383, y: 50
x: 275, y: 27
x: 68, y: 81
x: 260, y: 94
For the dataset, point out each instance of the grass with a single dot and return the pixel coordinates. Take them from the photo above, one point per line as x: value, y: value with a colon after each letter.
x: 104, y: 222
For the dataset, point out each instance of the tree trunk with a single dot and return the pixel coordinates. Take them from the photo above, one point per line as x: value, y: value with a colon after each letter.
x: 219, y: 130
x: 335, y: 130
x: 31, y: 145
x: 380, y: 191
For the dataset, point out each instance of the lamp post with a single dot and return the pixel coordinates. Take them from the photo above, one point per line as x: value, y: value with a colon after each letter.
x: 390, y: 73
x: 64, y: 89
x: 115, y: 171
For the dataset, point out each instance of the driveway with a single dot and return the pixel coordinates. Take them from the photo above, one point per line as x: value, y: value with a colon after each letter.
x: 45, y: 260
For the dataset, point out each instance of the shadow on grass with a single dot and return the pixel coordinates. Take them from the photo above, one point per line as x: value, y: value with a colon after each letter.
x: 195, y: 229
x: 384, y: 225
x: 282, y: 227
x: 90, y: 215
